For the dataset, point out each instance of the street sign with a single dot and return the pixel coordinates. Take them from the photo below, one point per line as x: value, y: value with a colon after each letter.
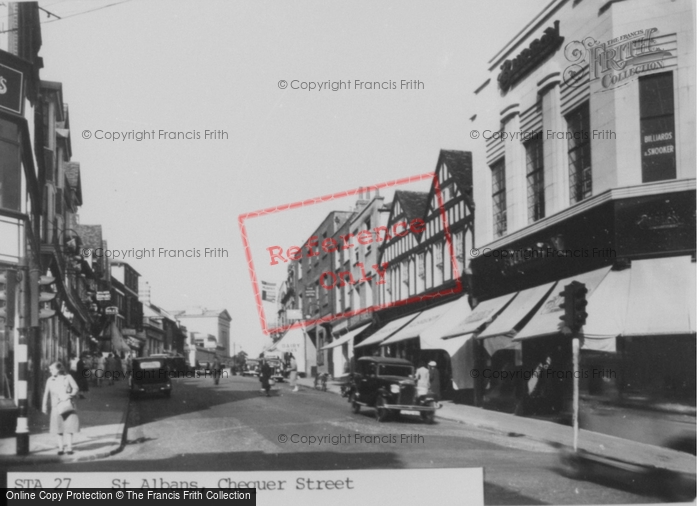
x: 112, y: 310
x: 103, y: 296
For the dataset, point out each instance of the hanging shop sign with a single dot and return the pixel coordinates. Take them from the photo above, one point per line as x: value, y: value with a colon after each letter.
x: 11, y: 89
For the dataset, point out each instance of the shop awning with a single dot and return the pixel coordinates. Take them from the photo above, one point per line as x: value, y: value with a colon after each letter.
x: 431, y: 324
x: 118, y: 341
x: 653, y: 297
x: 387, y: 330
x: 347, y: 337
x: 546, y: 320
x: 481, y: 314
x: 522, y: 304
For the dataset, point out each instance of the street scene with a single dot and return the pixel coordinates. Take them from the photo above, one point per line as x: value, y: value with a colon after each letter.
x: 258, y: 239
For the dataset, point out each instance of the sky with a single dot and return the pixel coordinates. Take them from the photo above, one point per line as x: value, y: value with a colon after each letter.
x: 169, y: 67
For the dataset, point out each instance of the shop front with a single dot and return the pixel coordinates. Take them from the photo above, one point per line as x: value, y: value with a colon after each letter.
x: 634, y: 249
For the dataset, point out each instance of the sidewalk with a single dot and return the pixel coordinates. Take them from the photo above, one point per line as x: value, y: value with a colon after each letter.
x: 616, y: 448
x: 103, y: 414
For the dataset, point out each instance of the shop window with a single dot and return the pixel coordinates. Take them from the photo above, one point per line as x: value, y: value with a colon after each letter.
x: 579, y: 138
x: 658, y: 127
x: 498, y: 197
x: 534, y: 160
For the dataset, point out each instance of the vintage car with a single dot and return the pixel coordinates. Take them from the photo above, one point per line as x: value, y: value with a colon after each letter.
x: 150, y: 375
x: 251, y: 368
x: 388, y: 385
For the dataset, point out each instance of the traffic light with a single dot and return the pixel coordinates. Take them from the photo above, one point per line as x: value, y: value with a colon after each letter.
x: 568, y: 306
x: 579, y: 291
x: 8, y: 284
x: 39, y: 296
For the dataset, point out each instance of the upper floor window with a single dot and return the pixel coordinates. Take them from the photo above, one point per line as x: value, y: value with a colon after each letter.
x: 498, y: 197
x: 579, y: 135
x: 657, y: 118
x: 535, y: 178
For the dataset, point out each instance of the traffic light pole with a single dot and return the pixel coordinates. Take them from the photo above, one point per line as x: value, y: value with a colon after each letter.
x: 575, y: 346
x: 21, y: 357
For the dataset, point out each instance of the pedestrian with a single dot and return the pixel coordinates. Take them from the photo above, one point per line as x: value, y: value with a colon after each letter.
x: 293, y: 373
x: 422, y: 380
x: 100, y: 365
x: 434, y: 380
x: 83, y: 372
x: 110, y: 366
x: 61, y: 389
x: 217, y: 369
x: 265, y: 374
x: 73, y: 367
x: 118, y: 367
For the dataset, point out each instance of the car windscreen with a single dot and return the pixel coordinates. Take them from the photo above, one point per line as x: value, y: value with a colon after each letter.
x: 395, y: 370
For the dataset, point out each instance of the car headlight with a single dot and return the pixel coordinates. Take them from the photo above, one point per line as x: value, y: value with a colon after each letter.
x: 395, y: 389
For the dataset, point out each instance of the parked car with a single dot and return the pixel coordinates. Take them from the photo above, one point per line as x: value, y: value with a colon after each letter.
x: 150, y: 375
x: 388, y: 385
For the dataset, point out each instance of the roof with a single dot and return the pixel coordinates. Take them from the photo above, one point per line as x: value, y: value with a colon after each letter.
x: 91, y: 235
x: 204, y: 313
x: 412, y: 203
x: 385, y: 360
x: 459, y: 164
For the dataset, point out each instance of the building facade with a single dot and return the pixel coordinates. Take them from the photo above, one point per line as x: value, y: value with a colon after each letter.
x: 585, y: 170
x: 214, y: 322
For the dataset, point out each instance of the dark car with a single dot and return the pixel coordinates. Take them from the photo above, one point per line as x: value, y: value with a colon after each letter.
x: 388, y: 385
x: 150, y: 375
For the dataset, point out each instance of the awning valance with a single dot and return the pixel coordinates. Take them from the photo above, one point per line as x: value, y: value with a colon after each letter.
x: 346, y: 338
x: 387, y: 330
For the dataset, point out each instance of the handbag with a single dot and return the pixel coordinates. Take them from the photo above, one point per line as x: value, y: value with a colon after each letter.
x: 66, y: 406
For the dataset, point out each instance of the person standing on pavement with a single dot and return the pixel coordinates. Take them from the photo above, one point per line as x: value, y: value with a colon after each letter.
x: 265, y: 374
x: 110, y: 365
x: 293, y: 373
x: 61, y: 388
x: 216, y: 369
x: 434, y: 380
x: 422, y: 380
x: 83, y: 372
x: 73, y: 367
x: 100, y: 365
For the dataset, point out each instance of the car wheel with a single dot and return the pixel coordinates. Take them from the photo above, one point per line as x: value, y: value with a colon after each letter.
x: 382, y: 412
x: 428, y: 416
x: 167, y: 393
x: 355, y: 407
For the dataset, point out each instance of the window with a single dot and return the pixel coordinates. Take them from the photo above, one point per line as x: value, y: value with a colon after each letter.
x: 658, y: 127
x: 534, y: 160
x: 357, y: 248
x: 368, y: 227
x: 579, y: 135
x: 323, y: 238
x: 498, y: 197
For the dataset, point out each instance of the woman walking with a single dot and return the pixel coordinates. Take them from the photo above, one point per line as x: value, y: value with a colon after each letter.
x: 61, y: 389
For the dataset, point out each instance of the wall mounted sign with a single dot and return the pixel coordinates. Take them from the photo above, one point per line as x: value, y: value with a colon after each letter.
x: 11, y: 89
x: 514, y: 70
